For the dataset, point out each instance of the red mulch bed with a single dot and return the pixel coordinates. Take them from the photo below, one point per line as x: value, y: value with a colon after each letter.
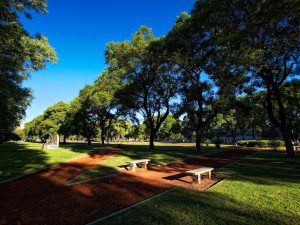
x: 42, y: 198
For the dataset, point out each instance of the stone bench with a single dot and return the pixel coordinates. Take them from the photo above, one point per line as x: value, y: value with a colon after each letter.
x: 196, y: 173
x: 296, y: 147
x: 133, y: 164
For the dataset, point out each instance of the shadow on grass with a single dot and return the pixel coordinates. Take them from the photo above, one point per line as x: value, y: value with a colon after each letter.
x: 265, y: 168
x: 164, y: 154
x: 43, y: 198
x: 18, y: 158
x: 187, y: 207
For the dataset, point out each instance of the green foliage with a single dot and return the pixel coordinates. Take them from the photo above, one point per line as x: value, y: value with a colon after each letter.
x: 80, y: 121
x: 207, y: 142
x: 257, y: 48
x: 170, y: 129
x: 260, y: 143
x: 20, y: 54
x: 51, y: 122
x: 149, y: 82
x: 138, y: 132
x: 19, y: 132
x: 275, y: 144
x: 119, y: 129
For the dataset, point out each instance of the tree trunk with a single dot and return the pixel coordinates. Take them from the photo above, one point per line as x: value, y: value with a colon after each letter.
x: 152, y: 139
x: 253, y: 134
x: 287, y: 137
x: 102, y: 139
x: 198, y: 142
x: 65, y: 139
x: 89, y: 141
x: 281, y: 121
x: 233, y: 136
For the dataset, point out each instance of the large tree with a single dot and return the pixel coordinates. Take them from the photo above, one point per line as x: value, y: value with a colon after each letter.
x: 104, y: 105
x: 192, y: 51
x: 84, y: 121
x: 263, y: 38
x: 50, y: 122
x: 149, y: 84
x: 20, y: 54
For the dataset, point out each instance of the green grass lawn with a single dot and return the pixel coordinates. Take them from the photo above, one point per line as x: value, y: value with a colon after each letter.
x: 262, y: 189
x: 163, y: 153
x: 17, y: 158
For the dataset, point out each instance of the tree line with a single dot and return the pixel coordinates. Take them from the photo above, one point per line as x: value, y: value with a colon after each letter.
x: 228, y: 66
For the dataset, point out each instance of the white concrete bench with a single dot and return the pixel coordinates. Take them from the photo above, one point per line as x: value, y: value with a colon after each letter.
x: 296, y: 147
x: 133, y: 164
x: 196, y: 173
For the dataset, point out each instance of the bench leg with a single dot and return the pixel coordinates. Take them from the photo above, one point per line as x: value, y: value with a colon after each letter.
x: 144, y: 165
x: 196, y: 179
x: 209, y: 174
x: 132, y: 167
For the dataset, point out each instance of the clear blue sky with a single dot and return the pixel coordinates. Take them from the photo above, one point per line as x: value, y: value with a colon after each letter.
x: 79, y: 30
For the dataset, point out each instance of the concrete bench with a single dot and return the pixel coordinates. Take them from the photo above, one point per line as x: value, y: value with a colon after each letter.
x: 296, y: 147
x: 133, y: 164
x: 196, y: 173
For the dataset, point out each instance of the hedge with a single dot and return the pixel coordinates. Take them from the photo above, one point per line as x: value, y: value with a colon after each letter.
x: 258, y: 143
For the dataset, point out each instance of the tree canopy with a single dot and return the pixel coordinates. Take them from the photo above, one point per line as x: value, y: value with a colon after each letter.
x: 20, y: 54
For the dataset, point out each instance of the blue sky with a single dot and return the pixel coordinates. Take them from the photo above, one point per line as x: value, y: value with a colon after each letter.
x: 79, y: 31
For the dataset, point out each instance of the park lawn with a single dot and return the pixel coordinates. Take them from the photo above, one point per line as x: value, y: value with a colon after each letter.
x: 17, y: 158
x: 163, y: 153
x: 262, y: 189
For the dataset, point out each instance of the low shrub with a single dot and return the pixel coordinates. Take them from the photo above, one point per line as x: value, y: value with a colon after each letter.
x: 261, y: 143
x: 218, y: 143
x: 275, y: 144
x: 207, y: 142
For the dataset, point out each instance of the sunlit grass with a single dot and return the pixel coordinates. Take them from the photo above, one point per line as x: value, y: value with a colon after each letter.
x: 17, y: 158
x: 262, y: 189
x: 163, y: 153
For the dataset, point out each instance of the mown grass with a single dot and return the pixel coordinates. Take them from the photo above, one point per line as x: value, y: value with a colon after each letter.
x: 262, y: 189
x: 17, y: 158
x: 163, y: 153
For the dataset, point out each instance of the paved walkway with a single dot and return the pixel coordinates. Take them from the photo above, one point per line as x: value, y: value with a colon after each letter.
x: 43, y: 198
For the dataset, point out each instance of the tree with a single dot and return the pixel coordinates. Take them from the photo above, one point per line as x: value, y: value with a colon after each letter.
x: 263, y: 38
x: 50, y: 122
x: 31, y: 129
x: 104, y: 106
x: 20, y: 54
x: 149, y: 84
x: 187, y: 129
x: 138, y: 132
x: 119, y: 129
x: 291, y: 98
x: 81, y: 120
x: 170, y: 129
x: 57, y: 115
x: 192, y: 50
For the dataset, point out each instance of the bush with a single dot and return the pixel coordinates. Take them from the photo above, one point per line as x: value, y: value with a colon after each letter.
x: 275, y: 144
x: 207, y: 142
x: 218, y: 143
x: 261, y: 143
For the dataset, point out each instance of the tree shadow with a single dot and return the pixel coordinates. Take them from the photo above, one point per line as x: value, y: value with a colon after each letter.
x: 189, y: 207
x: 43, y: 198
x: 19, y: 158
x: 265, y: 168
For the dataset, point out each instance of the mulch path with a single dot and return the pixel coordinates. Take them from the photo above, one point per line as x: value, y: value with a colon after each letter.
x: 42, y: 198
